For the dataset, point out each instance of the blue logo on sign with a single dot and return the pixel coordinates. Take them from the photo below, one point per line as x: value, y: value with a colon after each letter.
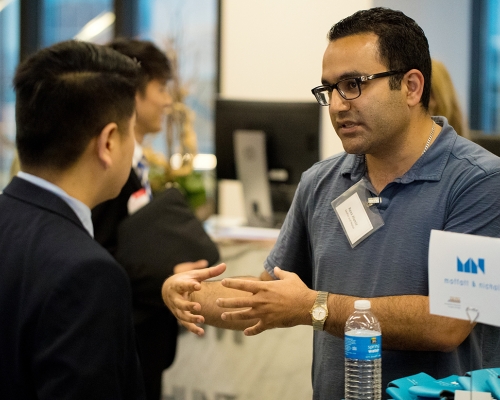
x: 470, y: 266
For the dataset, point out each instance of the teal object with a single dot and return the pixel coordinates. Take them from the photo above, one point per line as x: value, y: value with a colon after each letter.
x: 482, y: 380
x: 437, y: 389
x: 399, y: 388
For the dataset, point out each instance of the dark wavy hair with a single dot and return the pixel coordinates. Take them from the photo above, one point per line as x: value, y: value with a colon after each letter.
x: 402, y: 43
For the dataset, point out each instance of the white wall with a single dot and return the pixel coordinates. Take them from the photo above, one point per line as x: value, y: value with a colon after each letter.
x: 447, y: 25
x: 272, y: 49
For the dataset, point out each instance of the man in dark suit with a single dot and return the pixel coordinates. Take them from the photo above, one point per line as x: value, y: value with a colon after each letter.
x: 65, y: 303
x: 156, y: 327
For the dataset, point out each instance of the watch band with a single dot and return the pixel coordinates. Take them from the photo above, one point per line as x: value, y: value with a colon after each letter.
x: 321, y: 301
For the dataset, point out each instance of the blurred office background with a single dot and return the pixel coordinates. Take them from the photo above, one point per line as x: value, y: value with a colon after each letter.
x: 187, y: 26
x: 259, y: 49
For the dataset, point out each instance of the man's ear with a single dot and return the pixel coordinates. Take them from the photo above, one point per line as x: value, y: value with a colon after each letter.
x: 414, y: 81
x: 106, y: 143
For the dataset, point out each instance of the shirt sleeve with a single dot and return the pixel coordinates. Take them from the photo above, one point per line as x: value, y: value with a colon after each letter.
x: 292, y: 251
x: 474, y: 206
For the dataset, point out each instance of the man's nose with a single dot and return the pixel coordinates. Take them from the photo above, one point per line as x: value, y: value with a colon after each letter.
x: 338, y: 103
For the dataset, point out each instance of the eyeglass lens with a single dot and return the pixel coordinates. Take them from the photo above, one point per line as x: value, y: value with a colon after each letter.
x: 348, y: 89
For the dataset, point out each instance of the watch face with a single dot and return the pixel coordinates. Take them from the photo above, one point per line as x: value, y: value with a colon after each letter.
x: 319, y: 313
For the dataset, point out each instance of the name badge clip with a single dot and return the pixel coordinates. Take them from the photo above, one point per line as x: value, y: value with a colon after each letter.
x: 374, y: 200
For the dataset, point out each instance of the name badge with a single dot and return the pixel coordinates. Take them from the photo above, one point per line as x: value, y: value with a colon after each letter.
x: 356, y: 214
x: 137, y: 200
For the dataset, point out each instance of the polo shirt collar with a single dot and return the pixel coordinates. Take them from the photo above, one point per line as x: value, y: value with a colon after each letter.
x: 429, y: 167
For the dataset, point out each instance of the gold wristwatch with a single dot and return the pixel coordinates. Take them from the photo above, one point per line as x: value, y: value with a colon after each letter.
x: 319, y: 311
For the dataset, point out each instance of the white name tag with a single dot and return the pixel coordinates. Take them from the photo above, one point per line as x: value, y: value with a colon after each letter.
x: 137, y: 200
x: 354, y: 218
x: 357, y: 212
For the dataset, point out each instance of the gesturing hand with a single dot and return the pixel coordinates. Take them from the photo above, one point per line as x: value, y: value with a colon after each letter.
x: 276, y: 304
x: 189, y: 266
x: 177, y: 289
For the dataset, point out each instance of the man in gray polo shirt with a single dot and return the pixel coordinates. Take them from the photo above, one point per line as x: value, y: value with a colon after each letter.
x: 419, y: 175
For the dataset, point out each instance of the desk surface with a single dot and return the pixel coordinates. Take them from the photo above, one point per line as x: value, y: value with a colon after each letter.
x: 223, y: 229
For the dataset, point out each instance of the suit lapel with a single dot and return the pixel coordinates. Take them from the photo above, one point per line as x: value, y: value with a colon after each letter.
x: 29, y: 193
x: 134, y: 180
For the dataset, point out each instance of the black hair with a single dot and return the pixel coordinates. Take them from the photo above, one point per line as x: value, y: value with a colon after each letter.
x: 402, y: 42
x: 154, y: 63
x: 65, y: 95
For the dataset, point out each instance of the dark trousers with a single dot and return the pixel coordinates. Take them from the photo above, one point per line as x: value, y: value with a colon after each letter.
x: 157, y: 342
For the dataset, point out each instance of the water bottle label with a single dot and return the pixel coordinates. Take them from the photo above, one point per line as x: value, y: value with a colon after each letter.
x: 363, y: 347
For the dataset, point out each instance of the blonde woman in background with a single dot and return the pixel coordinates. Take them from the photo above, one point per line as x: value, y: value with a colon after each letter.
x: 444, y: 100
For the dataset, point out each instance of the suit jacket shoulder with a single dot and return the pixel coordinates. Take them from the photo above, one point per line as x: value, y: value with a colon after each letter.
x: 65, y: 305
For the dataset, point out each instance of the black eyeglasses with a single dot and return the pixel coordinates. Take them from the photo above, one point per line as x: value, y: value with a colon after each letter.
x: 349, y: 88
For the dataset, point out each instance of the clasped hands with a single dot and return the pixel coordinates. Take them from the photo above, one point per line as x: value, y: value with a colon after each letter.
x: 263, y: 304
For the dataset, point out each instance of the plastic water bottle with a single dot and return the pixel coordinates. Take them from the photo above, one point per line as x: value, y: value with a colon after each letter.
x: 363, y: 354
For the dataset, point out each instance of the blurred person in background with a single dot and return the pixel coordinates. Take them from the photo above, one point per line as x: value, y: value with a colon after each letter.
x: 156, y: 328
x: 444, y: 99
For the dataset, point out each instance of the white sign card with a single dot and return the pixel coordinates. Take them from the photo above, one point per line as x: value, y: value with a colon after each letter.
x: 468, y: 395
x: 464, y: 274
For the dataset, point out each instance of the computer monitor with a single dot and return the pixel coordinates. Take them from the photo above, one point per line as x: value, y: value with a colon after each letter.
x: 252, y: 172
x: 292, y: 131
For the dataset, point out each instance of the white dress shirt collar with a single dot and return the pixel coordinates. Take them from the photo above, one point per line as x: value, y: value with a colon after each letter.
x: 81, y: 210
